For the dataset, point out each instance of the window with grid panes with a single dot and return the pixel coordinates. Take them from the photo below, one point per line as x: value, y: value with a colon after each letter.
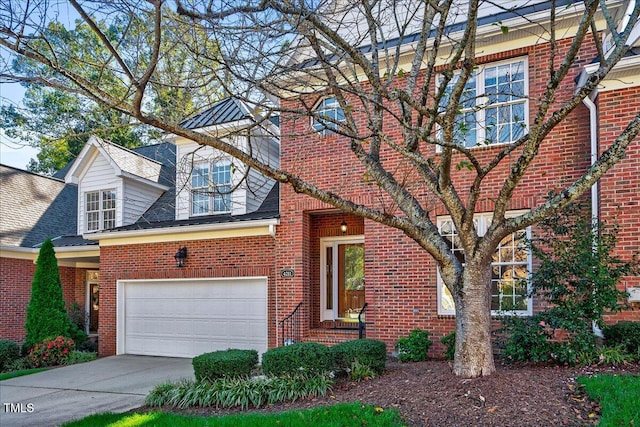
x: 328, y: 116
x: 511, y: 264
x: 100, y: 210
x: 211, y: 188
x: 493, y: 106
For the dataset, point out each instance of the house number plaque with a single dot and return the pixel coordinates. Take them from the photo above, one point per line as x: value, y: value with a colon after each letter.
x: 287, y: 273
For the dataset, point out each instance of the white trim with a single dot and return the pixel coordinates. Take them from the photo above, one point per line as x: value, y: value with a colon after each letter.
x: 87, y: 307
x: 143, y: 181
x: 481, y: 104
x: 325, y: 243
x: 165, y: 232
x: 483, y: 222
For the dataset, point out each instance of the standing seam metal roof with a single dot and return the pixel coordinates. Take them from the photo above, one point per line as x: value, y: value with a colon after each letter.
x: 224, y: 111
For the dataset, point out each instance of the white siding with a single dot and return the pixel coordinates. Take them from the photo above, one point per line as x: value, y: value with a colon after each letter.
x: 266, y: 149
x: 249, y: 195
x: 99, y: 175
x: 138, y: 198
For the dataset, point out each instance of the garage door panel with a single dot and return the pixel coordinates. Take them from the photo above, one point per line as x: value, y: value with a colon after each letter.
x: 187, y: 318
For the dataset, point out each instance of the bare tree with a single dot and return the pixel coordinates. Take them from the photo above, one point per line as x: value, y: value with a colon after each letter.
x: 395, y: 67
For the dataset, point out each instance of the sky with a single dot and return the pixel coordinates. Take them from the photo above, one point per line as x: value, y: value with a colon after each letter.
x: 13, y: 153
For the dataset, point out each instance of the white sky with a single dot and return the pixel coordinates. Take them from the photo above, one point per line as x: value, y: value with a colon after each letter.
x: 13, y: 153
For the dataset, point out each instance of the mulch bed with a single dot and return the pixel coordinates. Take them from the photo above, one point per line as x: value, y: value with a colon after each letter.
x: 428, y: 394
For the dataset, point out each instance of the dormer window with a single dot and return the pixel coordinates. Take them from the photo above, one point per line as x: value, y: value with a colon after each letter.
x: 211, y: 188
x: 100, y: 210
x: 327, y: 116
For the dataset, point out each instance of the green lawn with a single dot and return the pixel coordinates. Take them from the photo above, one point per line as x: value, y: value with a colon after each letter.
x: 14, y: 374
x: 619, y: 396
x: 342, y: 415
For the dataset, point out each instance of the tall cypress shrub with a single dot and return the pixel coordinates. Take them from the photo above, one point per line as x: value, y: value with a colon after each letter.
x: 46, y: 314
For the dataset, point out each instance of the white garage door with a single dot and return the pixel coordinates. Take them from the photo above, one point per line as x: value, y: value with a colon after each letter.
x: 185, y: 318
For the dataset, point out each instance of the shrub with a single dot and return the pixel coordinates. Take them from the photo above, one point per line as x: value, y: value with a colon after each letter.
x: 414, y: 348
x: 9, y: 352
x: 300, y: 358
x: 18, y: 364
x: 524, y: 339
x: 243, y: 392
x: 449, y: 342
x: 369, y: 352
x: 360, y: 371
x: 624, y: 333
x: 50, y: 352
x: 613, y: 356
x: 224, y: 364
x: 88, y: 346
x: 79, y: 357
x: 46, y: 313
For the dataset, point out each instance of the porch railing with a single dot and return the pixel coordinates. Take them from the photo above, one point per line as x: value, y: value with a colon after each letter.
x: 362, y: 326
x: 290, y: 327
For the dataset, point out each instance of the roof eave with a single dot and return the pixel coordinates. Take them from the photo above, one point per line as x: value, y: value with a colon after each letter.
x: 181, y: 230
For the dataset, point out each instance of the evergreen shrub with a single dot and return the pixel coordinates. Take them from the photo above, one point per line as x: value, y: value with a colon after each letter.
x: 46, y: 313
x: 625, y: 333
x: 449, y: 342
x: 414, y: 348
x: 368, y: 352
x: 306, y: 358
x: 230, y: 363
x: 9, y: 353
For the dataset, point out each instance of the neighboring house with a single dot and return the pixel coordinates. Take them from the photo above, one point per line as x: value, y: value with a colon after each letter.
x: 165, y: 260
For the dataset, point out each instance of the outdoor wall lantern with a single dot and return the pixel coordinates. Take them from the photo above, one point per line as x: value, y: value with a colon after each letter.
x: 180, y: 256
x: 343, y: 226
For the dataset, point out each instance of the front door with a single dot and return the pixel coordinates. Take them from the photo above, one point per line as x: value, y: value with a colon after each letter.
x: 93, y: 301
x: 342, y: 278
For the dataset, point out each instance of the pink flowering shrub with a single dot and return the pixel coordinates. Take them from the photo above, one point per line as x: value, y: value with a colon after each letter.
x: 50, y: 352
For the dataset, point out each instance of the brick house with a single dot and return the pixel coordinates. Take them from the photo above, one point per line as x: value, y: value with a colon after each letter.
x: 263, y: 253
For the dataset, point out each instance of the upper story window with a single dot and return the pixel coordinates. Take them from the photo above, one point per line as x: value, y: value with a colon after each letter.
x: 510, y: 266
x: 494, y: 104
x: 327, y: 116
x: 211, y: 188
x: 100, y: 207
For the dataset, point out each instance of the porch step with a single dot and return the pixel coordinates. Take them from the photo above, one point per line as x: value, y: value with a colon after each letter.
x: 331, y: 336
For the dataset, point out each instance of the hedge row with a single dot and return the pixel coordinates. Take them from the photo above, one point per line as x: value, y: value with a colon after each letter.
x: 306, y: 358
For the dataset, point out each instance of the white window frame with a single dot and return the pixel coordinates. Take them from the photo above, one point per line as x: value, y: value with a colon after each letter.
x: 213, y: 198
x: 101, y: 211
x: 482, y: 222
x: 333, y: 242
x: 481, y: 104
x: 327, y: 107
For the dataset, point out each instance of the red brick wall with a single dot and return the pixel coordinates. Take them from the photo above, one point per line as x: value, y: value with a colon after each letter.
x: 15, y: 290
x: 620, y: 187
x: 16, y: 276
x: 237, y: 257
x: 400, y: 276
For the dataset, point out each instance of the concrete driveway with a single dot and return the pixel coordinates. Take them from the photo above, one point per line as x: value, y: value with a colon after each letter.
x: 111, y: 384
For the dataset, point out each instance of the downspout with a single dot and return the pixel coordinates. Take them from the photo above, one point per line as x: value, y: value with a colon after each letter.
x: 595, y: 208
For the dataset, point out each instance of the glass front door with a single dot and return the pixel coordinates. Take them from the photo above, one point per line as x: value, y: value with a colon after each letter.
x: 342, y: 295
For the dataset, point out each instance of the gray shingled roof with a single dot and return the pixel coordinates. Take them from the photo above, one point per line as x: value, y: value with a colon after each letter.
x: 34, y: 207
x: 224, y: 111
x: 132, y: 161
x: 270, y: 209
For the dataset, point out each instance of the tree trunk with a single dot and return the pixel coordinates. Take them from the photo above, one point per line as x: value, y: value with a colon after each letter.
x: 474, y: 354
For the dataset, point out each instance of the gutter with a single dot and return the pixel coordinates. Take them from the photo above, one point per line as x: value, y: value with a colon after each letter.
x: 238, y: 225
x: 595, y: 208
